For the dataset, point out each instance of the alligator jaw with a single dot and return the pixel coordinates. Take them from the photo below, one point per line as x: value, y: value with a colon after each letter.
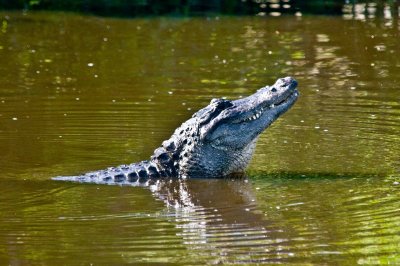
x: 280, y: 97
x: 261, y: 109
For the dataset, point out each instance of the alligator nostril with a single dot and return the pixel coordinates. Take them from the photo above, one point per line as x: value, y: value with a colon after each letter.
x: 288, y: 80
x: 273, y: 90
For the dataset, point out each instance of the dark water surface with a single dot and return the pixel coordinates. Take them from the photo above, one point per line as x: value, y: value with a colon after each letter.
x: 80, y: 93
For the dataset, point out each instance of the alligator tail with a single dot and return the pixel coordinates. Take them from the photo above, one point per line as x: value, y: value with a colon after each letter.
x: 140, y: 174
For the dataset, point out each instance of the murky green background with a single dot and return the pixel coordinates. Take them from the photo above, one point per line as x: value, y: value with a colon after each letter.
x: 80, y: 93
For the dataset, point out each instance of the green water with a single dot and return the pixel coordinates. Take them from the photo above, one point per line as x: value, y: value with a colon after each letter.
x: 81, y: 93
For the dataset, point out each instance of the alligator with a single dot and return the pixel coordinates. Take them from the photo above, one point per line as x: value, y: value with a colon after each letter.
x: 217, y: 141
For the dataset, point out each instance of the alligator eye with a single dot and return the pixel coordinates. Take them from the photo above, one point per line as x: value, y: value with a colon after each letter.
x: 212, y: 110
x: 215, y: 101
x: 225, y: 104
x: 273, y: 90
x: 221, y: 103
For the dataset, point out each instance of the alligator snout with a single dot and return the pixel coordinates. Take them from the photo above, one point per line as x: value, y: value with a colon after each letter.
x: 284, y: 84
x: 289, y: 81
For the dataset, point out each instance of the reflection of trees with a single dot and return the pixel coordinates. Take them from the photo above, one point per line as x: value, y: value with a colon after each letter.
x: 196, y: 7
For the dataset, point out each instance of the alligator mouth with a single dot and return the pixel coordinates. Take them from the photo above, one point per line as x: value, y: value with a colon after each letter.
x: 280, y: 104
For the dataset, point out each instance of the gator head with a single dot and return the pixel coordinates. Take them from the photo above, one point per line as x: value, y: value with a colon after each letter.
x: 220, y: 139
x: 233, y: 125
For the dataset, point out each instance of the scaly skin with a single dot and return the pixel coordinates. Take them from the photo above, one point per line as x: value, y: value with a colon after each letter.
x: 219, y: 140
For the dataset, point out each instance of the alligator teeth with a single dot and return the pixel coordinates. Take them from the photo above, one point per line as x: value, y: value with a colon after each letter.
x: 272, y: 106
x: 255, y: 116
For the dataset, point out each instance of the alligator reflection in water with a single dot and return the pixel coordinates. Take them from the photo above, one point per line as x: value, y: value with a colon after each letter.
x: 274, y: 220
x: 220, y: 216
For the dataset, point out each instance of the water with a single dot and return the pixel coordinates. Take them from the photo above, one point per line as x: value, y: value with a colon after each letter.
x: 81, y: 93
